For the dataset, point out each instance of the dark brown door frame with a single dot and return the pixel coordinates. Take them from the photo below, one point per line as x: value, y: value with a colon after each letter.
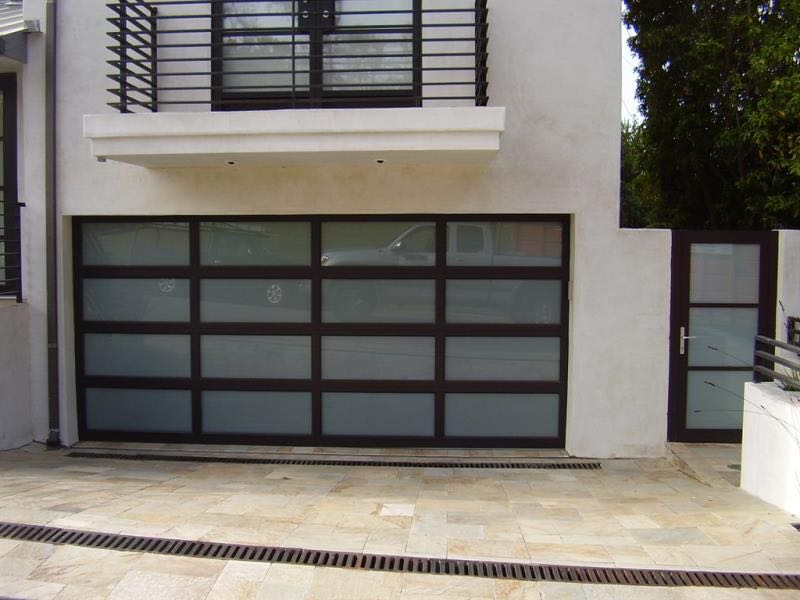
x: 679, y: 316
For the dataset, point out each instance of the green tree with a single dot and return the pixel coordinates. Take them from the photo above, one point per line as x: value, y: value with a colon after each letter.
x: 640, y: 201
x: 719, y: 90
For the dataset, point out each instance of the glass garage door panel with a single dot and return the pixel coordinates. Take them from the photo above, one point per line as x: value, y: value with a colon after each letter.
x: 372, y: 357
x: 255, y: 300
x: 388, y: 244
x: 163, y: 299
x: 253, y: 243
x: 377, y: 414
x: 268, y: 413
x: 504, y: 301
x: 504, y: 244
x: 136, y: 244
x: 501, y: 415
x: 502, y: 359
x: 378, y: 301
x: 136, y: 355
x: 256, y: 356
x: 152, y: 411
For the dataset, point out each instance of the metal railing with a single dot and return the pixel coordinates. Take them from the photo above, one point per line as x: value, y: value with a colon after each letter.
x: 263, y: 54
x: 766, y: 362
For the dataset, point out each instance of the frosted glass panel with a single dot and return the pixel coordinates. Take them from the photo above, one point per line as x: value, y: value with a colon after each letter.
x: 362, y: 357
x: 368, y: 61
x: 502, y: 358
x: 720, y: 407
x: 163, y: 299
x: 139, y: 410
x: 255, y: 243
x: 385, y: 244
x: 275, y: 413
x: 503, y: 301
x: 135, y: 244
x: 347, y: 13
x: 725, y: 273
x: 377, y: 414
x: 137, y: 355
x: 256, y: 356
x: 255, y: 300
x: 501, y: 415
x: 724, y: 337
x: 378, y: 301
x: 505, y: 244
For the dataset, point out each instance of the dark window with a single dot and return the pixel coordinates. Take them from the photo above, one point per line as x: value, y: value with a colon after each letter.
x: 317, y: 53
x: 10, y: 278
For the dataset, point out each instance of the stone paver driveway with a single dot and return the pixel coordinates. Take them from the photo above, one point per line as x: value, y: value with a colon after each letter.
x: 643, y: 513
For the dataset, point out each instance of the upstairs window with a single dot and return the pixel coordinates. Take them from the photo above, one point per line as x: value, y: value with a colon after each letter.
x: 10, y: 277
x: 317, y: 53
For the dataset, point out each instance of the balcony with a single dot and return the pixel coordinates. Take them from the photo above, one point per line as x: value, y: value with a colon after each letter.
x: 286, y: 80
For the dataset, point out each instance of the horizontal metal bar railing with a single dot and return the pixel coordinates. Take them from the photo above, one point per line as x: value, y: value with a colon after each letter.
x: 765, y: 361
x: 279, y: 56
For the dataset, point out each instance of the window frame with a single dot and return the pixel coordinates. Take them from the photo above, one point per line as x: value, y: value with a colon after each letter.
x: 316, y: 97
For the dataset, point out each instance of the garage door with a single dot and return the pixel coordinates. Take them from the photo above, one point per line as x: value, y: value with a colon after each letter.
x: 413, y: 330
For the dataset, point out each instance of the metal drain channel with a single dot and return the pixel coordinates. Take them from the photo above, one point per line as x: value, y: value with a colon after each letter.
x: 400, y: 564
x: 585, y: 466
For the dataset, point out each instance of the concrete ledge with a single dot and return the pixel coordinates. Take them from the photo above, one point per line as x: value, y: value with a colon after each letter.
x: 771, y: 445
x: 337, y: 136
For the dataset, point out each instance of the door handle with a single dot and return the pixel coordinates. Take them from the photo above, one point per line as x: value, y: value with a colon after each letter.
x: 682, y: 341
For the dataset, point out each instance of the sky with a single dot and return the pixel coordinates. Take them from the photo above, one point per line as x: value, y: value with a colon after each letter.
x: 630, y: 110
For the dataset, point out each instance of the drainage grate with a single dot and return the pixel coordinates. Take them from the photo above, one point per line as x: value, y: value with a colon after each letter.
x: 402, y: 564
x: 796, y: 526
x: 586, y: 466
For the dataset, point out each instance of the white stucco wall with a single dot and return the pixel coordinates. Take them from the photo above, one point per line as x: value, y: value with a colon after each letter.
x: 554, y: 64
x: 23, y: 390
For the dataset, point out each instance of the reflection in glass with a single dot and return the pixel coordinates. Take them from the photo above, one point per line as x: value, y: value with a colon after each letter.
x: 155, y: 411
x: 272, y: 413
x: 164, y: 299
x: 377, y: 414
x: 503, y: 301
x: 504, y: 244
x: 502, y: 358
x: 501, y: 415
x: 378, y: 301
x: 256, y: 356
x: 136, y: 355
x: 368, y: 243
x: 724, y: 273
x: 255, y: 300
x: 135, y: 244
x: 724, y: 337
x: 371, y: 357
x: 276, y: 243
x: 717, y: 406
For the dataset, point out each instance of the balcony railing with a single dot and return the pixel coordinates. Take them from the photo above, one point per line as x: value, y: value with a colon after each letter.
x: 196, y: 55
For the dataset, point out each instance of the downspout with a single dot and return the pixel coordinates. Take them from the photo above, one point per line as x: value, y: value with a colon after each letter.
x: 51, y: 225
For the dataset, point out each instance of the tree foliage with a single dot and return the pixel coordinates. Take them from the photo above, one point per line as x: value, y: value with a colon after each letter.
x: 719, y: 90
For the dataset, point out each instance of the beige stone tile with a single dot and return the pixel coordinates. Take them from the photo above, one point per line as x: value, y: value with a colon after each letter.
x: 386, y: 542
x: 82, y: 592
x: 160, y: 586
x: 18, y: 568
x: 286, y: 582
x: 12, y: 587
x: 397, y: 510
x: 487, y: 550
x: 179, y: 565
x: 670, y: 556
x: 569, y: 554
x: 422, y: 587
x: 344, y: 584
x: 670, y: 537
x: 629, y: 556
x: 637, y: 522
x: 74, y: 565
x: 464, y: 532
x: 427, y: 546
x: 239, y: 581
x: 560, y: 591
x: 7, y: 546
x: 618, y: 592
x: 32, y: 550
